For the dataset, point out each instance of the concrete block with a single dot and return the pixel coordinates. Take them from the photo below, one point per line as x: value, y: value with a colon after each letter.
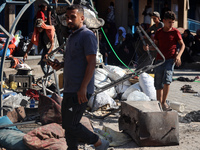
x: 148, y: 125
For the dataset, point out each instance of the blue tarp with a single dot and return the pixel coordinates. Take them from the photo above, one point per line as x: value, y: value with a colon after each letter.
x: 7, y: 53
x: 11, y: 137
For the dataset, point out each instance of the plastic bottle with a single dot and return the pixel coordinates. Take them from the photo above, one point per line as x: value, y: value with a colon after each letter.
x: 104, y: 134
x: 32, y: 103
x: 13, y: 85
x: 4, y: 85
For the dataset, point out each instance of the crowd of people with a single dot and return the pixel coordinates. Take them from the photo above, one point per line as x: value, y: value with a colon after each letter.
x: 118, y: 37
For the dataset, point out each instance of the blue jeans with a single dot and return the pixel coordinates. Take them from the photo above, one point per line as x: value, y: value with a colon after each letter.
x: 163, y: 73
x: 72, y: 113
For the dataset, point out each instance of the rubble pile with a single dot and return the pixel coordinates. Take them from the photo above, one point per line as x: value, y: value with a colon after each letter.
x: 193, y: 116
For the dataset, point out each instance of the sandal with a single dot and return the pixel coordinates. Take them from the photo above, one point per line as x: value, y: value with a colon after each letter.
x: 168, y: 108
x: 189, y: 91
x: 186, y: 87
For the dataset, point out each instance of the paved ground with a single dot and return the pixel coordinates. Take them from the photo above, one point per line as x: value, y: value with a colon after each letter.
x: 189, y: 132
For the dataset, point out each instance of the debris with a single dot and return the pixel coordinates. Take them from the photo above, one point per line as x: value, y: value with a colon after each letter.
x: 180, y: 107
x: 137, y: 96
x: 101, y: 99
x: 118, y: 138
x: 106, y: 135
x: 16, y: 114
x: 49, y: 136
x: 187, y: 89
x: 143, y: 121
x: 192, y: 117
x: 11, y: 137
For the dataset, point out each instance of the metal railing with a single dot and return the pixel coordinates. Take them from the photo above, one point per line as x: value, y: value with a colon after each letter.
x: 193, y: 25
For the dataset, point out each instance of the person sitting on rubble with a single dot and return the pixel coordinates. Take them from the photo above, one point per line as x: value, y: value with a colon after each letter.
x: 44, y: 37
x: 196, y: 50
x: 127, y: 49
x: 188, y: 40
x: 119, y: 38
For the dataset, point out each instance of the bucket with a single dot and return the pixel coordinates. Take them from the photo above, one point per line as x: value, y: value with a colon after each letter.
x: 23, y: 71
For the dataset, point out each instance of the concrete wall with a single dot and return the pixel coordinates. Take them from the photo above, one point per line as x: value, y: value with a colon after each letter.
x: 183, y: 15
x: 9, y: 16
x: 142, y: 4
x: 178, y: 6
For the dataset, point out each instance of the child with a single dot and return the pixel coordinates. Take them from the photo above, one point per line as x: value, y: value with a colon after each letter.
x: 41, y: 12
x: 157, y: 24
x: 166, y: 39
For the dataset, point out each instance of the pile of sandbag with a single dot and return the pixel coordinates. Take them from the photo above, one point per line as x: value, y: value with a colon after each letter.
x: 141, y: 91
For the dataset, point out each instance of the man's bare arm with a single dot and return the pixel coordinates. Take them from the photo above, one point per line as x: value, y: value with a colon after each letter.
x: 91, y: 60
x: 147, y: 47
x: 28, y: 49
x: 50, y: 49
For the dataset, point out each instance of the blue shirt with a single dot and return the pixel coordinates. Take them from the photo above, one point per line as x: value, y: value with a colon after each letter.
x: 81, y: 43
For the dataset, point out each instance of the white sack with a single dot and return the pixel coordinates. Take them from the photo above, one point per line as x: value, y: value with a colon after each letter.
x: 137, y: 96
x: 115, y: 72
x: 121, y: 88
x: 147, y: 85
x: 111, y: 92
x: 100, y: 74
x: 131, y: 88
x: 103, y: 71
x: 102, y: 99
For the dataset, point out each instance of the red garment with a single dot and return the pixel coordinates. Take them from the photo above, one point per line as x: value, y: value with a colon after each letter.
x: 167, y: 42
x: 40, y: 14
x: 51, y: 136
x: 50, y: 31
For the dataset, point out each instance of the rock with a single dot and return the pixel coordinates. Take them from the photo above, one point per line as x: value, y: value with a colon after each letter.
x: 148, y: 125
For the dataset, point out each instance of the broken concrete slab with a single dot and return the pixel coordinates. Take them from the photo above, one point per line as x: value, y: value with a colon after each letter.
x: 148, y: 125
